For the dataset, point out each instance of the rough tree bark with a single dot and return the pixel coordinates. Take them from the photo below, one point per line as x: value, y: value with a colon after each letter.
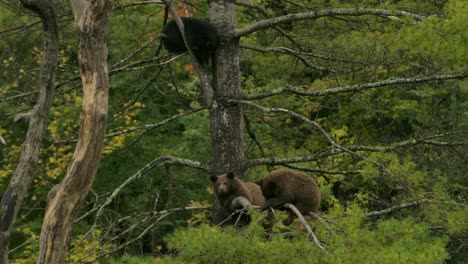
x: 37, y: 122
x: 226, y: 119
x: 65, y: 199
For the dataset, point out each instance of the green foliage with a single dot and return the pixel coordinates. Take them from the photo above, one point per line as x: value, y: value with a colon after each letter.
x: 356, y: 241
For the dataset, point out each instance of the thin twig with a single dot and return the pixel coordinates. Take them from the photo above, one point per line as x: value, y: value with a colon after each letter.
x: 147, y: 127
x: 288, y: 51
x: 164, y: 160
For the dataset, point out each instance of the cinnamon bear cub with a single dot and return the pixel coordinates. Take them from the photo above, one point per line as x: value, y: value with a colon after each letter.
x: 283, y: 186
x: 227, y: 187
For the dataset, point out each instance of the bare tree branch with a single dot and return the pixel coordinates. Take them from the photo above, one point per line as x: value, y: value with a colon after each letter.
x: 287, y: 51
x: 135, y: 52
x: 303, y: 54
x: 250, y: 5
x: 308, y: 121
x: 396, y: 207
x: 323, y: 13
x: 306, y: 225
x: 265, y: 13
x: 147, y: 127
x: 321, y: 171
x: 152, y: 218
x: 132, y: 66
x: 278, y: 161
x: 138, y: 65
x: 165, y: 160
x: 349, y: 150
x: 417, y: 141
x: 328, y: 153
x: 356, y: 88
x: 241, y: 202
x: 12, y: 30
x: 141, y: 3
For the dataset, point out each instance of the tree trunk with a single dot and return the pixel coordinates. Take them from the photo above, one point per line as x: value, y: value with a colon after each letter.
x: 65, y: 199
x: 37, y: 123
x: 226, y: 119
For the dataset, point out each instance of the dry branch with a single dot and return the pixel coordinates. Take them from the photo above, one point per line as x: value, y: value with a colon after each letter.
x: 239, y: 206
x: 322, y: 171
x: 264, y: 13
x: 288, y: 51
x: 306, y: 225
x: 241, y: 202
x: 141, y: 3
x: 356, y: 88
x: 165, y: 160
x: 251, y: 5
x: 328, y: 153
x: 134, y: 52
x: 151, y: 217
x: 308, y: 121
x: 397, y: 207
x: 277, y: 161
x: 323, y: 13
x: 147, y: 127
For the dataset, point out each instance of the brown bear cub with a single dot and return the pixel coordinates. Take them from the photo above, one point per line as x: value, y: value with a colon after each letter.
x: 283, y: 186
x: 227, y: 187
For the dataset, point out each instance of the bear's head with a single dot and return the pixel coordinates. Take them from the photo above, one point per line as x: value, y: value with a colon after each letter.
x: 269, y: 188
x: 223, y: 184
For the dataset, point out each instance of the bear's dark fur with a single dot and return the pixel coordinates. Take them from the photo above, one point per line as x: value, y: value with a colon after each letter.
x: 227, y: 187
x: 283, y: 186
x: 201, y: 36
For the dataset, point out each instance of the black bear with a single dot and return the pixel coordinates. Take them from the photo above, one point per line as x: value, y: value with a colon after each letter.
x: 201, y: 36
x: 283, y: 186
x: 227, y: 187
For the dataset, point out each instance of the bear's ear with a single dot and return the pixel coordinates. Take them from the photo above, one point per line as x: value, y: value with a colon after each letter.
x: 259, y: 182
x: 230, y: 175
x: 213, y: 178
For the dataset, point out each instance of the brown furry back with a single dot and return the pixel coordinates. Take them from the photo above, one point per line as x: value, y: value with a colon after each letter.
x: 284, y: 186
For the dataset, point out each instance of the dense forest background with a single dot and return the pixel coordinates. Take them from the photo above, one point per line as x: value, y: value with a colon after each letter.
x: 372, y: 106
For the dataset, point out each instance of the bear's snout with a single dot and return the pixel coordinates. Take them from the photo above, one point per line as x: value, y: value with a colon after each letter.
x: 223, y: 189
